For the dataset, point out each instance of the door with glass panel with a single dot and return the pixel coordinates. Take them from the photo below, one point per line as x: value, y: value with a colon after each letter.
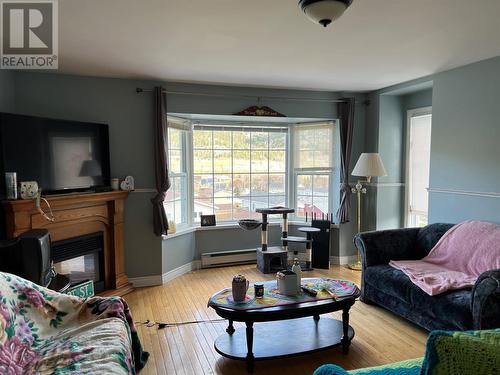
x: 418, y: 166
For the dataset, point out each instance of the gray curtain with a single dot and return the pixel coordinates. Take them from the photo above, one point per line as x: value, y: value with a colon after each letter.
x: 346, y: 117
x: 160, y: 140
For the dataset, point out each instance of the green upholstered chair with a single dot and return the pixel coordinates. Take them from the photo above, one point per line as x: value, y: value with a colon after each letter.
x: 446, y: 352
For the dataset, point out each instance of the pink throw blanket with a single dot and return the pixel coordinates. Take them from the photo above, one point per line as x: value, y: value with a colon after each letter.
x: 463, y: 253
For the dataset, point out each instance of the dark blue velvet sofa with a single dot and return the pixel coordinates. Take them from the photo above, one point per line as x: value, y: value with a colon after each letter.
x: 467, y: 309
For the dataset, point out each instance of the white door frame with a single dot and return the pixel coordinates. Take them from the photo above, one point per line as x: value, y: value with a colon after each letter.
x: 416, y: 112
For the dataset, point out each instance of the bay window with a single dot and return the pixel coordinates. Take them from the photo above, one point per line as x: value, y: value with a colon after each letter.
x: 230, y: 170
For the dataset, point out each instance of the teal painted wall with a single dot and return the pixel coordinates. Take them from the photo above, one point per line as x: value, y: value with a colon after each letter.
x: 129, y: 115
x: 465, y: 152
x: 465, y: 135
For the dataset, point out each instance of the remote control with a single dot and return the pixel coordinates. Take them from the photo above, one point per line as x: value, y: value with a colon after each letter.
x: 309, y: 291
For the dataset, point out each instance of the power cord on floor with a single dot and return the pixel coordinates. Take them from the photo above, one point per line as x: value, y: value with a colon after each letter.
x: 151, y: 323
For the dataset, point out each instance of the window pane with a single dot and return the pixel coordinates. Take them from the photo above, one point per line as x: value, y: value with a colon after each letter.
x: 260, y: 140
x: 321, y: 185
x: 241, y: 185
x: 223, y: 208
x: 202, y: 139
x: 175, y: 161
x: 241, y: 162
x: 241, y: 208
x: 202, y: 161
x: 303, y: 206
x: 174, y: 138
x: 320, y: 205
x: 277, y: 184
x: 203, y: 206
x: 259, y: 184
x: 277, y: 141
x: 222, y: 139
x: 259, y: 161
x: 222, y: 162
x: 222, y: 185
x: 169, y: 210
x: 241, y: 140
x: 277, y: 201
x: 304, y: 185
x: 203, y: 185
x: 305, y: 159
x: 277, y: 161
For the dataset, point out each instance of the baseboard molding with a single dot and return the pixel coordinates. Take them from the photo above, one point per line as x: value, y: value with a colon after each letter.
x: 179, y: 271
x: 343, y: 260
x: 155, y: 280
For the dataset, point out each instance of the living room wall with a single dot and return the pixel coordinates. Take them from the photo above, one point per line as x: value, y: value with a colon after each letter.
x: 129, y: 115
x: 465, y: 156
x: 465, y: 152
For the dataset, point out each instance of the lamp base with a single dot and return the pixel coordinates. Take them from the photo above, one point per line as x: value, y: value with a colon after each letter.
x: 355, y: 266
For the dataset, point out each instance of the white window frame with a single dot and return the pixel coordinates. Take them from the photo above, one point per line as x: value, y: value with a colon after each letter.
x: 239, y: 127
x: 291, y: 173
x: 331, y: 171
x: 411, y: 113
x: 186, y: 155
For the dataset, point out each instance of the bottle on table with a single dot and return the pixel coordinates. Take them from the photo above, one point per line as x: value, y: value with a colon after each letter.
x: 297, y: 270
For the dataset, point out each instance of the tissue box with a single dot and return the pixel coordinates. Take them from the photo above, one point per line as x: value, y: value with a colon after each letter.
x: 287, y: 283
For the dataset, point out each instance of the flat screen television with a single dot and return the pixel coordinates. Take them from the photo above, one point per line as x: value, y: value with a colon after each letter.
x: 62, y: 156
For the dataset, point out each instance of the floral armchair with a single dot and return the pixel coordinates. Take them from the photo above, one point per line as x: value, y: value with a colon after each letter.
x: 45, y: 332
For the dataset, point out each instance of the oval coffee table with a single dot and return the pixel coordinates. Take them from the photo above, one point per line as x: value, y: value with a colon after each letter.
x: 286, y: 330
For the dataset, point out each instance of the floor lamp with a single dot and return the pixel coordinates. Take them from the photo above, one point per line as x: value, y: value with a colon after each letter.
x: 369, y: 165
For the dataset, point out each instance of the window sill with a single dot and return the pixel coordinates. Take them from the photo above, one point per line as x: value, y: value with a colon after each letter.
x: 191, y: 229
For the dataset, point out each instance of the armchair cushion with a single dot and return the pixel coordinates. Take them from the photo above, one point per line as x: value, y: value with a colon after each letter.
x: 42, y: 331
x: 471, y: 352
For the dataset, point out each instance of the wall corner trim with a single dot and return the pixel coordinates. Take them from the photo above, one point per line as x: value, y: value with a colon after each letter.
x: 155, y: 280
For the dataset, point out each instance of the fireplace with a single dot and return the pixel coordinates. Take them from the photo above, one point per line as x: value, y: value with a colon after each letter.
x: 81, y: 259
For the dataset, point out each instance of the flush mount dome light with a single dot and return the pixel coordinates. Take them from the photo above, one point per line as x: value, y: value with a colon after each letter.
x: 324, y: 12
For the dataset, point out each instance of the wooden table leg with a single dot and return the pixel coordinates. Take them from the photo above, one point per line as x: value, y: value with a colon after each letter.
x: 345, y: 325
x: 230, y: 328
x: 250, y: 357
x: 316, y: 317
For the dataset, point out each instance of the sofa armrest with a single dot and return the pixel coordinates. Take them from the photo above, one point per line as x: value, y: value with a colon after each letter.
x: 486, y: 300
x: 379, y: 247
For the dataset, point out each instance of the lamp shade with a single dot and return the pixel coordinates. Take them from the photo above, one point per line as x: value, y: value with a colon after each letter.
x: 324, y: 12
x: 369, y: 165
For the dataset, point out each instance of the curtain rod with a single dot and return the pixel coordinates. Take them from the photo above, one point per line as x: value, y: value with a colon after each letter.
x: 277, y: 98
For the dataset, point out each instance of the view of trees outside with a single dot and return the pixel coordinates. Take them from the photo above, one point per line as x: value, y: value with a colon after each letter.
x: 313, y: 163
x: 235, y: 172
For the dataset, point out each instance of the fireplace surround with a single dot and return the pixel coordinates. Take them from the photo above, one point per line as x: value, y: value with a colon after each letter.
x: 80, y: 215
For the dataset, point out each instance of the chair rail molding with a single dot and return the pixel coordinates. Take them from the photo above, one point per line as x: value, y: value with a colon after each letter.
x: 465, y: 192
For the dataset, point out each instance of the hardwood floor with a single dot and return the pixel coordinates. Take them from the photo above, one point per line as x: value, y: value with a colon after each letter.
x: 381, y: 337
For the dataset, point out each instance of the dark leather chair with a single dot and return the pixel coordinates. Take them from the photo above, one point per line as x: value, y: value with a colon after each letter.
x: 28, y: 256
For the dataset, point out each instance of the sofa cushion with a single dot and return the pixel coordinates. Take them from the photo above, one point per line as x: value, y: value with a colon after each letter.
x: 453, y: 307
x: 99, y: 347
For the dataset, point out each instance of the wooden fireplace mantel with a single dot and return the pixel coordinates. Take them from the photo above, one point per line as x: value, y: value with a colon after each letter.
x: 77, y: 215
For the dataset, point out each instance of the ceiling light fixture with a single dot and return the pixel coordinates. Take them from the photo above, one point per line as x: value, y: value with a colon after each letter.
x: 324, y: 12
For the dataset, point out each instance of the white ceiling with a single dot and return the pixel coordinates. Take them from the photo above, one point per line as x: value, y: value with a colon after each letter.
x: 376, y: 43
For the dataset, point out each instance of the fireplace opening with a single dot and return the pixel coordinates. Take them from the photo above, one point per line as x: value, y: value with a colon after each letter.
x: 81, y: 259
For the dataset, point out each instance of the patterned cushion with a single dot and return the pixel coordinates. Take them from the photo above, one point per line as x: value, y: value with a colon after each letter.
x: 408, y: 367
x: 465, y: 353
x: 44, y: 332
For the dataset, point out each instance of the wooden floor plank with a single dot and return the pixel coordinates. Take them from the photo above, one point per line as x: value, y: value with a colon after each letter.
x: 381, y: 337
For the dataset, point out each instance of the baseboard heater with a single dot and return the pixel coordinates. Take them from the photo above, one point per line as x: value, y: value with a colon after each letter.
x: 226, y: 258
